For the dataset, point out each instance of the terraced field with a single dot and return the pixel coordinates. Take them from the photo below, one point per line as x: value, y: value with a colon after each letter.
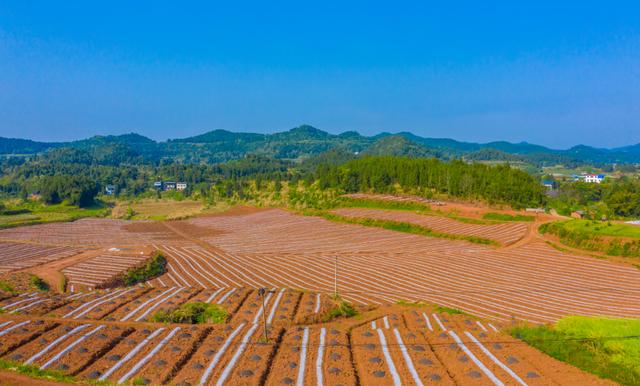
x: 15, y: 256
x: 91, y: 232
x: 108, y: 334
x: 389, y: 345
x: 532, y: 282
x: 505, y: 233
x: 100, y: 271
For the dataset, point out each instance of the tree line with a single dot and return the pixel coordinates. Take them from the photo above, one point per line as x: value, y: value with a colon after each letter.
x: 426, y: 176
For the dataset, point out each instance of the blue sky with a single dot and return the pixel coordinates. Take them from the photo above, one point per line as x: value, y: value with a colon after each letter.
x: 554, y: 73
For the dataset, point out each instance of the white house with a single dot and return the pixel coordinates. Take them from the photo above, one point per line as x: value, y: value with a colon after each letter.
x: 594, y: 178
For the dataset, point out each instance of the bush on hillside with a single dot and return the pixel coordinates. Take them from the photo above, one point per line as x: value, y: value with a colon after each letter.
x: 155, y: 266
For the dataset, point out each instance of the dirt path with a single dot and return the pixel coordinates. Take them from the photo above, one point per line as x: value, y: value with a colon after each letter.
x: 14, y: 379
x: 51, y: 272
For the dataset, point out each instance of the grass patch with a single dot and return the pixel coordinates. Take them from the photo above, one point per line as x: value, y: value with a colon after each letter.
x: 155, y: 266
x: 343, y: 309
x: 593, y: 344
x: 7, y: 287
x: 408, y: 303
x: 604, y: 237
x: 602, y: 228
x: 193, y: 313
x: 400, y: 227
x: 35, y: 372
x: 382, y: 204
x: 449, y: 310
x: 507, y: 217
x: 37, y: 283
x: 32, y: 213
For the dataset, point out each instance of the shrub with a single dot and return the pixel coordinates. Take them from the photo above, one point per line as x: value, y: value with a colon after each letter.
x: 155, y: 266
x: 343, y: 309
x: 449, y: 310
x: 6, y: 287
x: 193, y: 313
x: 38, y: 283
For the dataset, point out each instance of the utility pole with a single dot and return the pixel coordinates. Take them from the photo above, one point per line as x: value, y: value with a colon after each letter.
x: 262, y: 292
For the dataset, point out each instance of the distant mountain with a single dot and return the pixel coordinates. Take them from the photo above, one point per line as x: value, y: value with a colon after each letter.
x: 306, y: 142
x: 397, y: 145
x: 222, y: 136
x: 24, y: 146
x: 124, y: 139
x: 301, y: 133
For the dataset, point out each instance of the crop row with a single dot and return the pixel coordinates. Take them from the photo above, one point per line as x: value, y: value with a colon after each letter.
x: 414, y: 347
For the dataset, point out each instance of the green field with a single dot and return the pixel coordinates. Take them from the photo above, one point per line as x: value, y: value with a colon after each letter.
x: 507, y: 217
x: 603, y: 228
x: 607, y: 347
x: 31, y: 213
x: 609, y: 238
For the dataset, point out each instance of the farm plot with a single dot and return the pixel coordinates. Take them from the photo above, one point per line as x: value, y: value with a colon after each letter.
x: 142, y: 308
x: 36, y: 303
x: 279, y: 306
x: 267, y: 231
x: 381, y: 356
x: 313, y: 356
x: 15, y: 256
x: 96, y: 305
x: 453, y: 349
x: 148, y: 355
x: 15, y: 333
x: 532, y: 282
x: 70, y: 347
x: 313, y: 307
x: 470, y: 349
x: 234, y: 356
x: 230, y: 299
x: 91, y: 232
x: 101, y: 271
x: 505, y: 233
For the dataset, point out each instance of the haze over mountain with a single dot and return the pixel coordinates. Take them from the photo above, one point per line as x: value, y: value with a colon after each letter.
x: 306, y: 141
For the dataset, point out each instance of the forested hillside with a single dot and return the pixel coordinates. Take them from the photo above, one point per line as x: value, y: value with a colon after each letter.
x: 306, y: 141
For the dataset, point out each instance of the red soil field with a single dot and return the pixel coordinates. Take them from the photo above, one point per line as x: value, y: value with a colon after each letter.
x: 385, y: 346
x: 505, y: 233
x: 101, y: 271
x: 89, y: 232
x: 528, y: 281
x: 531, y: 282
x: 15, y: 256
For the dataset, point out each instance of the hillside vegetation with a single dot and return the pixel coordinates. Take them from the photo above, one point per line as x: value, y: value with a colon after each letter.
x: 494, y: 184
x: 604, y: 237
x: 305, y: 141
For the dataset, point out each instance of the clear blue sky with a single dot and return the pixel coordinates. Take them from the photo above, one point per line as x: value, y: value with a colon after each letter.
x: 556, y: 73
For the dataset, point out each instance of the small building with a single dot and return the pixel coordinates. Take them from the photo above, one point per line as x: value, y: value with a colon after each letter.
x: 578, y: 214
x: 549, y: 184
x: 157, y: 185
x: 110, y: 190
x: 589, y: 178
x: 181, y: 186
x: 169, y: 185
x: 594, y: 178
